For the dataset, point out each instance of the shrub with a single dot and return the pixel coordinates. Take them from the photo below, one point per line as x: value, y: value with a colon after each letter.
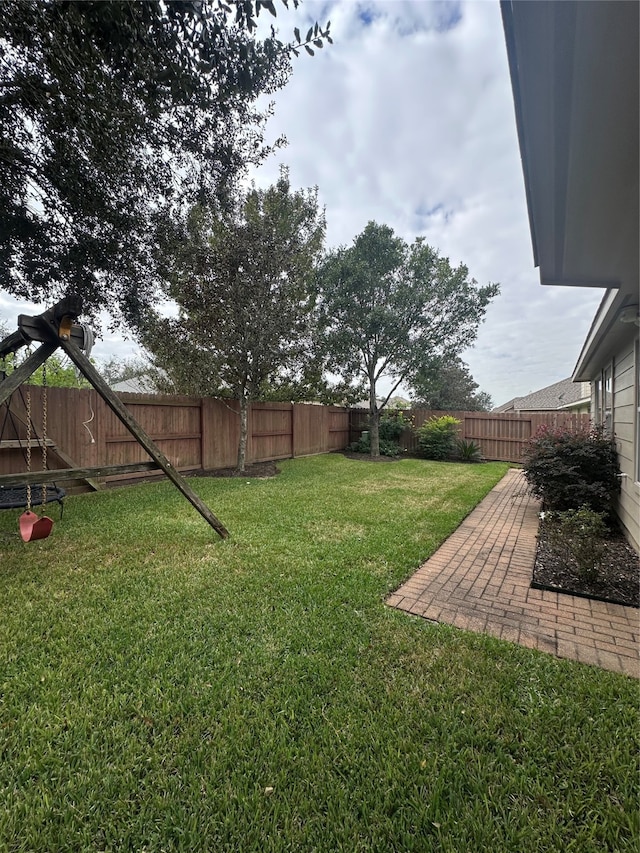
x: 392, y: 424
x: 568, y: 470
x: 363, y: 445
x: 437, y: 436
x: 467, y: 451
x: 577, y: 536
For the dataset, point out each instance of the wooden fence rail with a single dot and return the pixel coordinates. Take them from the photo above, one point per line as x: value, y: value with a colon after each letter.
x: 202, y: 433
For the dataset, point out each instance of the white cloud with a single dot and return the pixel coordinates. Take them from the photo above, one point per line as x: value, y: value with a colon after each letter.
x: 411, y: 123
x: 408, y: 119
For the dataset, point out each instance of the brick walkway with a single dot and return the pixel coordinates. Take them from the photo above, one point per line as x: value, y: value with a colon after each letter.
x: 479, y: 580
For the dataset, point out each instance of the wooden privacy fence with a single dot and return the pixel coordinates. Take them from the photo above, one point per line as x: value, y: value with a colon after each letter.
x: 195, y: 433
x: 501, y: 437
x: 200, y: 433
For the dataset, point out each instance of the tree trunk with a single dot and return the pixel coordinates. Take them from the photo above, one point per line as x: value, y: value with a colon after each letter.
x: 242, y: 445
x: 374, y: 421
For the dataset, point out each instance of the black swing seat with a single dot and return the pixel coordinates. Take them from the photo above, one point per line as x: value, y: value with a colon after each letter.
x: 13, y: 497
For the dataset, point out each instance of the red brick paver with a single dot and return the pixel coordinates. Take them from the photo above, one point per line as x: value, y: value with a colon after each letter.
x: 479, y: 580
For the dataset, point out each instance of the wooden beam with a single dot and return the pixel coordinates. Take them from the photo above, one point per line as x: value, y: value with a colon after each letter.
x: 27, y: 368
x: 60, y: 474
x: 44, y: 327
x: 20, y: 443
x: 71, y: 463
x: 13, y: 343
x: 122, y: 413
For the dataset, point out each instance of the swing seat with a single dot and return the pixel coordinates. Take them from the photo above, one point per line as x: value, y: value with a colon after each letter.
x: 34, y: 526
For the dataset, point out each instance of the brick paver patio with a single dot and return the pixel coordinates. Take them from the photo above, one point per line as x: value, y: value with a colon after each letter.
x: 479, y: 580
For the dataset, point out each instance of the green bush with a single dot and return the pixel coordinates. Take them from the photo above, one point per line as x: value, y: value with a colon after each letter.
x: 363, y: 445
x: 392, y: 424
x: 570, y: 470
x: 577, y: 536
x: 437, y: 437
x: 467, y: 451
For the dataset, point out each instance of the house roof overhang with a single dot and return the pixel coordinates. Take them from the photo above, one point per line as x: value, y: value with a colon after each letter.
x: 575, y: 77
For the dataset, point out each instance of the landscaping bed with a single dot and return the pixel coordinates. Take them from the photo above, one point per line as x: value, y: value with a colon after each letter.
x: 618, y: 574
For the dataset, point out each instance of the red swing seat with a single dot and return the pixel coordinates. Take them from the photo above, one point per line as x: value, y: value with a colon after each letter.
x: 34, y: 526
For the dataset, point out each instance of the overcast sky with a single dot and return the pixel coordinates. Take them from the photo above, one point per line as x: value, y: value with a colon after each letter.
x: 407, y: 119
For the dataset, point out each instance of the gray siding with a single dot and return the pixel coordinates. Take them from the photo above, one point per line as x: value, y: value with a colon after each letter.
x: 624, y: 426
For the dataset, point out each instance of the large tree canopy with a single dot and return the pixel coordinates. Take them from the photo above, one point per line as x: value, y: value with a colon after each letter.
x: 447, y: 385
x: 243, y: 283
x: 389, y: 309
x: 112, y: 115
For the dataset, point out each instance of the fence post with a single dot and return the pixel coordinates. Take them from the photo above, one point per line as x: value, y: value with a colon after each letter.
x: 294, y: 409
x: 207, y: 460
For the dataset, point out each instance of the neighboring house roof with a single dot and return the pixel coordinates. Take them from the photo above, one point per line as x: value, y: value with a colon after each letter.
x: 364, y: 404
x: 137, y: 385
x: 561, y: 395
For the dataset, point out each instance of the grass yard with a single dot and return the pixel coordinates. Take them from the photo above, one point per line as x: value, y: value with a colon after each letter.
x: 164, y: 690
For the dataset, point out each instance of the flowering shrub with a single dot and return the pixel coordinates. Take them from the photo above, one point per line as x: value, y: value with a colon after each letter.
x: 569, y: 470
x: 437, y: 437
x: 577, y: 536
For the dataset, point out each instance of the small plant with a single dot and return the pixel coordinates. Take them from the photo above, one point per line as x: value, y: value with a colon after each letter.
x: 578, y: 535
x: 467, y: 451
x: 569, y: 470
x: 437, y: 437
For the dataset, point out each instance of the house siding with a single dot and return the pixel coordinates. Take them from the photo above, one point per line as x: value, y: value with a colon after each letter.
x: 624, y: 427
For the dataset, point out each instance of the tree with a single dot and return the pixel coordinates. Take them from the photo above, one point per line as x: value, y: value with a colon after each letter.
x: 57, y: 372
x: 113, y: 115
x: 448, y: 386
x: 242, y: 282
x: 389, y: 308
x: 116, y: 370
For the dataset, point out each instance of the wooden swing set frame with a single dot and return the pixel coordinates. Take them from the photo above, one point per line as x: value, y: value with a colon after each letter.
x: 56, y: 329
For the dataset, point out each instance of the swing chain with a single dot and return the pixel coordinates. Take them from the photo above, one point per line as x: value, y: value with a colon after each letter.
x: 44, y: 430
x: 28, y: 446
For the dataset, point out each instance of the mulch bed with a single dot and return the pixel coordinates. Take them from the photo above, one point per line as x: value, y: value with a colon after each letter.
x: 618, y: 578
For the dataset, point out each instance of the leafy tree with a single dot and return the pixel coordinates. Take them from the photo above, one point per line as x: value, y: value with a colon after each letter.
x: 242, y: 282
x: 448, y: 386
x: 58, y: 370
x: 389, y: 308
x: 60, y: 373
x: 113, y: 115
x: 116, y: 370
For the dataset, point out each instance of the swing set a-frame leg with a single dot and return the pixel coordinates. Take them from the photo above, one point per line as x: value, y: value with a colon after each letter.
x: 28, y: 367
x: 48, y: 329
x: 122, y: 413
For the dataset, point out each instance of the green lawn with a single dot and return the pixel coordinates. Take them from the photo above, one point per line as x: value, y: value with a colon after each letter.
x: 165, y: 690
